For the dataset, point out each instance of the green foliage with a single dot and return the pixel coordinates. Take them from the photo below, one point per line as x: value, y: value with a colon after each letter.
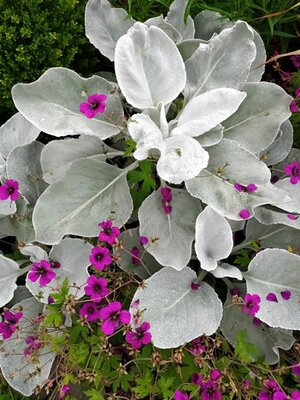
x: 141, y: 181
x: 34, y: 36
x: 245, y: 350
x: 243, y: 258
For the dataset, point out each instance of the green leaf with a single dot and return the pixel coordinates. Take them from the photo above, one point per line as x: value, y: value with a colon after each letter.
x: 131, y: 147
x: 94, y: 394
x: 244, y: 350
x: 164, y: 384
x: 243, y: 259
x: 144, y: 385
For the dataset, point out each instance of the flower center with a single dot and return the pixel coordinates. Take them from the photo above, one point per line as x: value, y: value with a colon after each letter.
x: 94, y: 105
x: 295, y: 171
x: 99, y: 257
x: 10, y: 190
x: 97, y: 287
x: 90, y: 310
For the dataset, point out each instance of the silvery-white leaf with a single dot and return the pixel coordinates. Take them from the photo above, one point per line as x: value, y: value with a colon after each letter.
x: 145, y: 133
x: 169, y: 29
x: 143, y: 60
x: 227, y: 270
x: 212, y: 137
x: 278, y: 236
x: 21, y: 293
x: 188, y: 47
x: 148, y: 265
x: 73, y: 256
x: 222, y: 63
x: 268, y: 215
x: 158, y: 115
x: 294, y: 155
x: 236, y: 225
x: 104, y: 25
x: 275, y: 271
x: 22, y: 374
x: 181, y: 158
x: 57, y: 155
x: 52, y: 104
x: 213, y: 239
x: 7, y: 207
x: 239, y: 164
x: 3, y: 173
x: 177, y: 314
x: 263, y: 111
x: 176, y: 17
x: 16, y: 132
x: 9, y: 272
x: 267, y: 340
x: 292, y: 206
x: 207, y: 110
x: 35, y: 252
x: 209, y: 23
x: 89, y: 192
x: 281, y: 146
x: 19, y: 224
x: 23, y: 165
x: 222, y: 196
x: 175, y: 232
x: 258, y: 64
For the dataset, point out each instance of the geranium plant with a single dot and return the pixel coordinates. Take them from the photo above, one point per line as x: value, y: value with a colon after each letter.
x: 155, y: 172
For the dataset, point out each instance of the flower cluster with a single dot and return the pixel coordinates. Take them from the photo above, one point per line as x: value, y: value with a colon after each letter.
x: 33, y: 343
x: 9, y: 323
x: 42, y: 272
x: 166, y: 199
x: 140, y: 336
x: 271, y: 391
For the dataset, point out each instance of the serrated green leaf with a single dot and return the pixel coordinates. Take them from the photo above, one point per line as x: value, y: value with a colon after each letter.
x: 244, y: 350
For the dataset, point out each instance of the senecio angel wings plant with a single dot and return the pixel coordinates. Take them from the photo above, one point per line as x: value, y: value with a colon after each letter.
x: 189, y: 100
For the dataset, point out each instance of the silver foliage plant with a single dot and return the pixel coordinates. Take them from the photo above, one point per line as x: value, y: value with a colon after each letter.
x: 226, y: 133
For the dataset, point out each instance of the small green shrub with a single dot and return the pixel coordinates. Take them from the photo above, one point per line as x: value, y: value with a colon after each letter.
x: 36, y: 35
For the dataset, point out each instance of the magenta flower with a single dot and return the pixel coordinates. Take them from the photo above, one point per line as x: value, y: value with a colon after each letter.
x: 140, y: 337
x: 256, y: 321
x: 144, y: 240
x: 50, y: 300
x: 296, y: 60
x: 113, y: 316
x: 95, y: 104
x: 89, y: 311
x: 247, y: 384
x: 296, y: 369
x: 9, y: 189
x: 96, y: 288
x: 244, y: 214
x: 251, y: 305
x: 41, y: 271
x: 210, y: 391
x: 292, y: 217
x: 167, y: 209
x: 215, y: 374
x: 32, y: 344
x: 235, y: 292
x: 100, y: 258
x: 197, y: 346
x: 63, y: 392
x: 196, y: 379
x: 295, y: 395
x: 8, y: 325
x: 286, y: 294
x: 293, y: 106
x: 272, y: 392
x: 293, y: 170
x: 178, y: 395
x: 195, y: 286
x: 249, y: 188
x: 109, y: 233
x: 297, y: 92
x: 272, y: 297
x: 135, y: 256
x: 166, y: 199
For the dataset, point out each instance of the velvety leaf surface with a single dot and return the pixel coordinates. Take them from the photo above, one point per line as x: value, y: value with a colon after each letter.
x: 23, y: 165
x: 143, y: 61
x: 224, y: 62
x: 162, y: 24
x: 175, y: 233
x: 104, y: 25
x: 21, y: 374
x: 226, y: 270
x: 274, y: 271
x: 256, y: 123
x: 271, y: 215
x: 9, y: 272
x: 177, y: 314
x: 213, y: 241
x: 88, y: 193
x: 7, y: 207
x: 52, y: 104
x: 266, y: 340
x: 16, y: 132
x: 176, y: 17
